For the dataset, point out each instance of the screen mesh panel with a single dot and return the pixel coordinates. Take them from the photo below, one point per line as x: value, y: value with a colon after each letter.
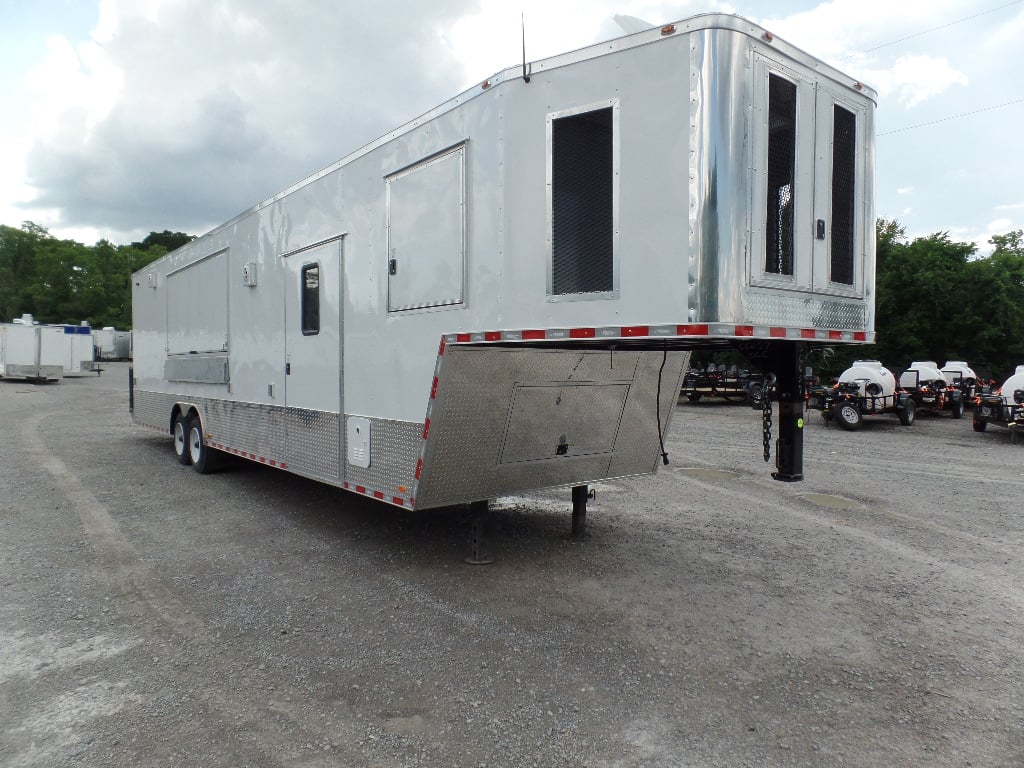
x: 581, y: 197
x: 844, y: 148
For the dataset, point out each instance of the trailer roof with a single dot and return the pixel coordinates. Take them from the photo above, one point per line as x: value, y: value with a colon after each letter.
x: 700, y: 22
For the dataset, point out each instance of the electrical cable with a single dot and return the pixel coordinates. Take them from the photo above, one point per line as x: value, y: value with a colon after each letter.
x: 661, y: 438
x: 951, y: 117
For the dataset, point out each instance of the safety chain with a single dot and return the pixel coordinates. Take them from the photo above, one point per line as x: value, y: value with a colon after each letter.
x: 766, y: 416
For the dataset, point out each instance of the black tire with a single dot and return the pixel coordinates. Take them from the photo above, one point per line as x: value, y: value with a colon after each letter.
x: 755, y: 393
x: 979, y: 426
x: 907, y: 412
x: 204, y: 458
x: 693, y: 397
x: 848, y: 415
x: 180, y: 433
x: 958, y: 409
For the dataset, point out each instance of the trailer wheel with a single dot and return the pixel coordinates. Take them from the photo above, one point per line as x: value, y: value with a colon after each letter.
x: 979, y: 426
x: 181, y: 451
x: 848, y: 415
x: 907, y: 412
x: 204, y: 459
x: 756, y: 395
x: 958, y: 409
x: 693, y: 397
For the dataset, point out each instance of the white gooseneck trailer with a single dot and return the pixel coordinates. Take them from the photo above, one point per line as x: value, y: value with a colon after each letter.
x: 501, y: 295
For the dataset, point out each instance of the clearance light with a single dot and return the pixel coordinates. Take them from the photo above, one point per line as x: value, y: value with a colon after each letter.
x: 768, y: 36
x: 485, y: 84
x: 668, y: 29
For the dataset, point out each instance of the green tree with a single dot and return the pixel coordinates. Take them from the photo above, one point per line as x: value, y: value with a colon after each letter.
x: 166, y: 239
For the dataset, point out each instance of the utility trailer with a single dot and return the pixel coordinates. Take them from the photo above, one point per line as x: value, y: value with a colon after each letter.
x: 502, y: 294
x: 729, y: 384
x: 1003, y: 407
x: 933, y: 389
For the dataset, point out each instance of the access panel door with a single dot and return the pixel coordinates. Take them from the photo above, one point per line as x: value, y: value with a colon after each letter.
x: 313, y: 327
x: 811, y: 170
x: 843, y: 224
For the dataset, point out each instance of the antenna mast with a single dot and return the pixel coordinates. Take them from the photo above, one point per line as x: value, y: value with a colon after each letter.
x: 522, y: 19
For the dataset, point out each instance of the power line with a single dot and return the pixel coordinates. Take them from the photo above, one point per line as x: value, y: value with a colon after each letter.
x: 951, y: 117
x: 936, y: 29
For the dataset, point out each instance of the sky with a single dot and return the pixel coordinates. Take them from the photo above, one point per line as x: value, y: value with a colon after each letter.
x: 122, y: 117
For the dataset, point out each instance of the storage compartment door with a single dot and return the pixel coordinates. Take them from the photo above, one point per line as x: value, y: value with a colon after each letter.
x: 426, y: 206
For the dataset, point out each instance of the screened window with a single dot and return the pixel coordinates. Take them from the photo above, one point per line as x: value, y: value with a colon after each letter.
x: 781, y: 175
x: 311, y: 300
x: 844, y: 150
x: 582, y: 212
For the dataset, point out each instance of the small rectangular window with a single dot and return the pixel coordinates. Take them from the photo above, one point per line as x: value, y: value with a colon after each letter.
x: 582, y: 209
x: 781, y: 176
x: 311, y: 300
x: 844, y: 153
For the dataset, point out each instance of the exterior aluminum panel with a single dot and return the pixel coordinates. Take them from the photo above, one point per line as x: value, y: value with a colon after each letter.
x: 481, y: 443
x: 394, y: 451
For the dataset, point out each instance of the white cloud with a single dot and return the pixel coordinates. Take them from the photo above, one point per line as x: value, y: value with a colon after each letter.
x: 904, y: 190
x: 1010, y: 207
x: 159, y: 122
x: 914, y: 79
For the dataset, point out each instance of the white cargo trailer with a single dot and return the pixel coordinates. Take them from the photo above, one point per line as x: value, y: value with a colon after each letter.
x: 22, y: 354
x: 501, y: 295
x: 70, y: 346
x: 103, y: 342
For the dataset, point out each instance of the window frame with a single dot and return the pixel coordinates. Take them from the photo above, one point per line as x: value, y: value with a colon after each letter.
x: 304, y: 293
x: 551, y: 117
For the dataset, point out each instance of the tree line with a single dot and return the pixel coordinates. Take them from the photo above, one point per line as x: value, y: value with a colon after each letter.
x: 935, y: 298
x: 63, y: 281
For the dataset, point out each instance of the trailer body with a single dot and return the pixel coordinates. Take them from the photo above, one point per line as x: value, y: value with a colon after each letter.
x: 22, y: 356
x: 501, y: 295
x: 112, y: 344
x: 69, y: 346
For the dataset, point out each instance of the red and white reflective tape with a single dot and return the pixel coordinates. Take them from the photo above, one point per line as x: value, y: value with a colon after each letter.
x: 684, y: 331
x: 247, y: 455
x: 398, y: 501
x: 161, y: 430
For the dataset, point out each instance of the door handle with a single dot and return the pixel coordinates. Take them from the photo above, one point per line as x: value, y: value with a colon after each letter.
x: 287, y: 369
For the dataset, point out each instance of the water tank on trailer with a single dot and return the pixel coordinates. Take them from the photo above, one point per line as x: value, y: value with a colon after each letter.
x: 874, y: 379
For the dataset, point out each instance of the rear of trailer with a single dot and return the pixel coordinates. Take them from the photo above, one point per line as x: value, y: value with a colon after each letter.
x: 70, y: 346
x: 21, y: 354
x: 502, y: 295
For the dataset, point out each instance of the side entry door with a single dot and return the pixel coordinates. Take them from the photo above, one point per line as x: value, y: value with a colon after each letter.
x: 312, y: 363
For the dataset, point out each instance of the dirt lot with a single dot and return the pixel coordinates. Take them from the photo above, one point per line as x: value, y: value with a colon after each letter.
x: 870, y: 616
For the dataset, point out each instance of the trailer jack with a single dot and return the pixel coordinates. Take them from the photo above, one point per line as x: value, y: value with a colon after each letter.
x: 784, y: 361
x: 580, y: 494
x: 479, y: 514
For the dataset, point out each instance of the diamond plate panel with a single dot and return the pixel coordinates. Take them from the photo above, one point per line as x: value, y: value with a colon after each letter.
x: 804, y: 311
x: 154, y: 409
x: 475, y: 399
x: 394, y: 451
x: 307, y: 442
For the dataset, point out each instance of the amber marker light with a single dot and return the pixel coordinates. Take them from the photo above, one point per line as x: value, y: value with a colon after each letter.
x: 668, y: 29
x: 768, y: 37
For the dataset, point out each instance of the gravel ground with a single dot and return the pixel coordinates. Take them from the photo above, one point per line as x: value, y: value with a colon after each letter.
x: 872, y: 615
